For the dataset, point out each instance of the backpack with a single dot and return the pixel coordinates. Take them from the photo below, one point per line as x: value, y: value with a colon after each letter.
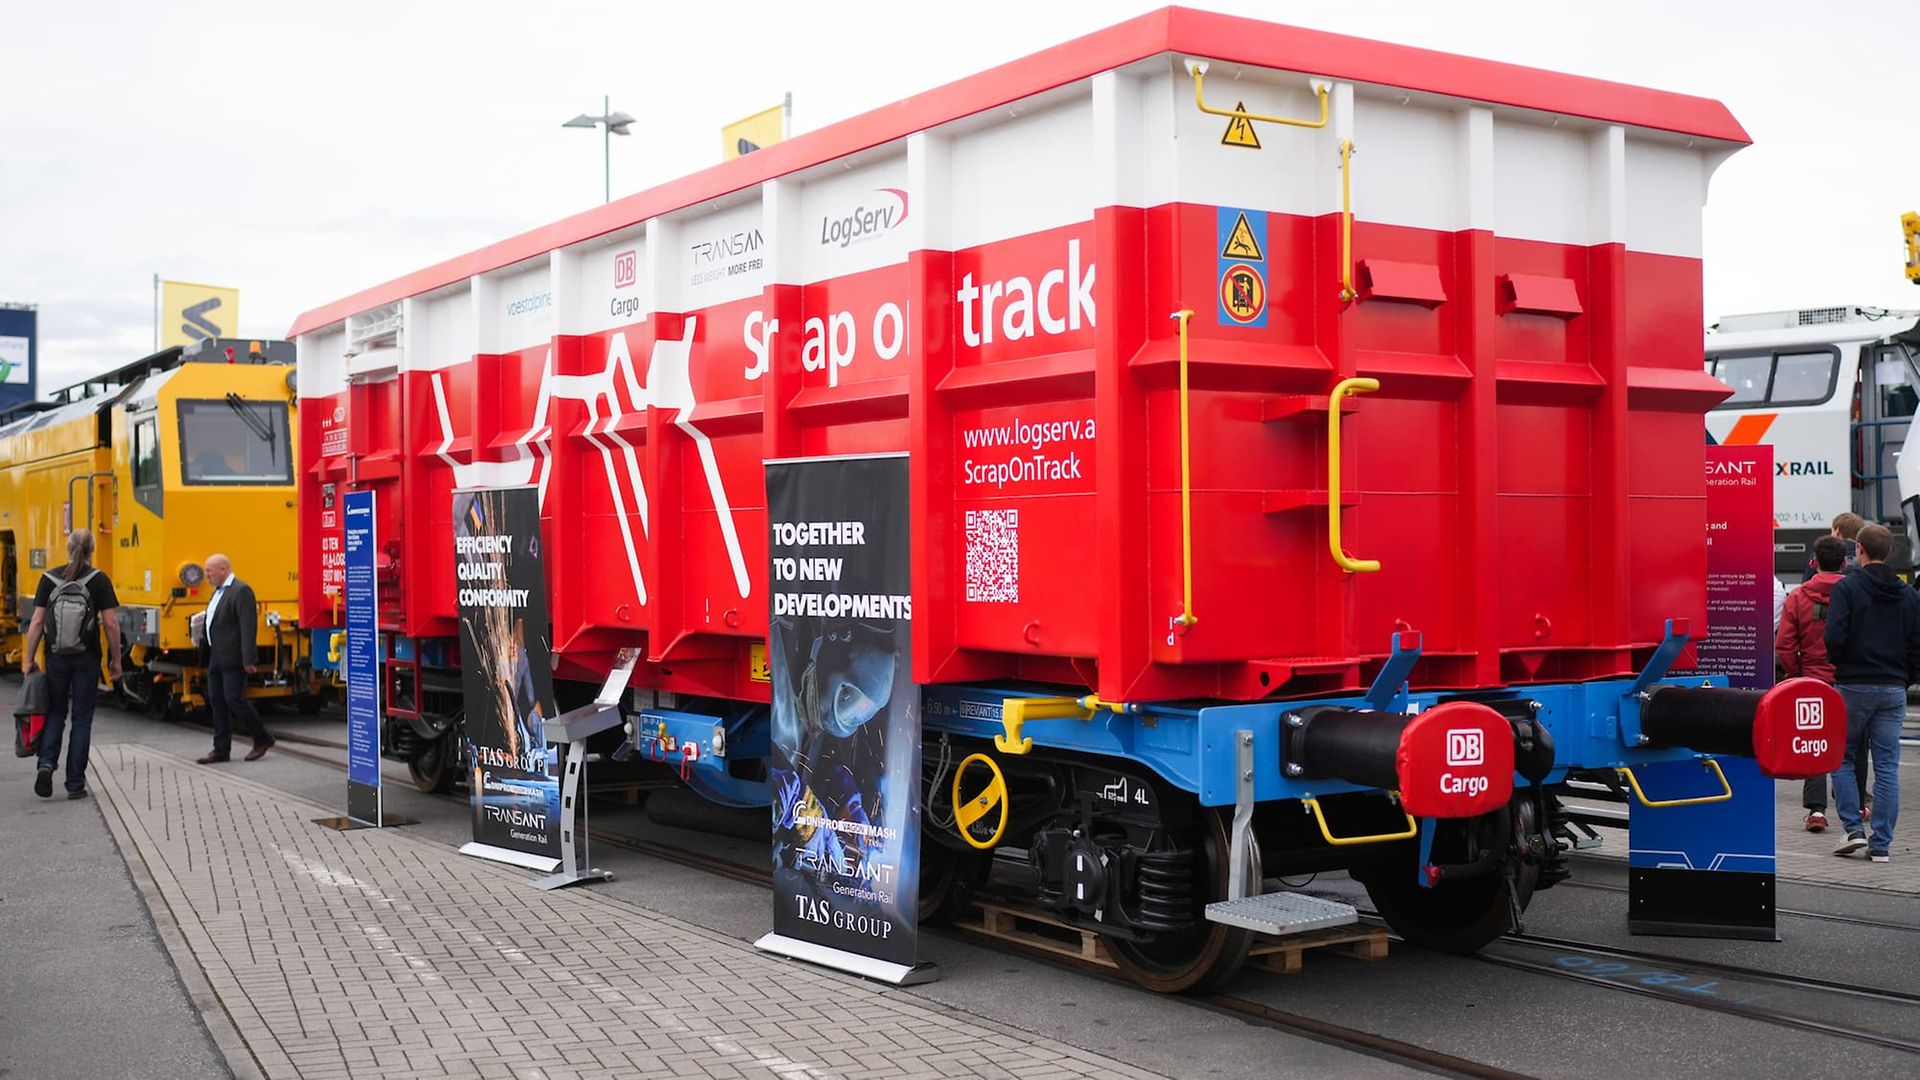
x: 74, y: 624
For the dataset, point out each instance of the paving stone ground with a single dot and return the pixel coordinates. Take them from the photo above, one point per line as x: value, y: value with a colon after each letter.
x: 373, y: 954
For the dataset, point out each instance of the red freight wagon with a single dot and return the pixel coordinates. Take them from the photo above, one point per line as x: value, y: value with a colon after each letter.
x: 1238, y: 365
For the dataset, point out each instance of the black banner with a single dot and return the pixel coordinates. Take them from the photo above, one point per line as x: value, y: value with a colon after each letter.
x: 506, y: 673
x: 846, y: 712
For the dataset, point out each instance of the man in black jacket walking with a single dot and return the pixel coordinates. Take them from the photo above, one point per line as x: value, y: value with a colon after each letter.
x: 1873, y: 639
x: 232, y: 653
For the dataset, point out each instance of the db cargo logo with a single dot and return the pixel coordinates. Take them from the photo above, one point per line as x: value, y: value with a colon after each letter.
x: 626, y: 269
x: 1809, y: 714
x: 870, y: 220
x: 1466, y: 746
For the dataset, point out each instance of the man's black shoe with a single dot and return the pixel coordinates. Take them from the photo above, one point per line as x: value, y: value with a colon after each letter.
x: 43, y: 783
x: 81, y: 794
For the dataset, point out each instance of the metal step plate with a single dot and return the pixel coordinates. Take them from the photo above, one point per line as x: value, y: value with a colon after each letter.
x: 1282, y: 913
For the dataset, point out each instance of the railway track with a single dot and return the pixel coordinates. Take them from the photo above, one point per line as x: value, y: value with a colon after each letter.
x: 1724, y: 988
x: 1365, y: 1042
x: 1715, y: 987
x: 1816, y: 916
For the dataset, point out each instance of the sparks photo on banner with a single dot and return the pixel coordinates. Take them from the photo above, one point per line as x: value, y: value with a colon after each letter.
x: 846, y: 716
x: 507, y: 675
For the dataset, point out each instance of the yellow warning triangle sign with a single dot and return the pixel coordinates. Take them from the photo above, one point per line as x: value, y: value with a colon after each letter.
x: 1240, y: 242
x: 1240, y: 130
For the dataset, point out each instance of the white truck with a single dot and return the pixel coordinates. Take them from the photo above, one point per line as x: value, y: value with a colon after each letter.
x: 1832, y: 390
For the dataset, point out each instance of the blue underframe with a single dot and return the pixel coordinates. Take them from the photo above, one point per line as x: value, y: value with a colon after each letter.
x: 1193, y: 748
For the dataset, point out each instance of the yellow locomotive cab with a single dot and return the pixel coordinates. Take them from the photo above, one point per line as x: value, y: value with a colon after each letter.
x: 166, y: 460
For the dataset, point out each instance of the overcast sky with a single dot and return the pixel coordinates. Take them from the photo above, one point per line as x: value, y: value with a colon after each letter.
x: 304, y: 152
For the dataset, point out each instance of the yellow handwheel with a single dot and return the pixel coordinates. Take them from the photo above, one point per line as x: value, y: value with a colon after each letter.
x: 968, y: 811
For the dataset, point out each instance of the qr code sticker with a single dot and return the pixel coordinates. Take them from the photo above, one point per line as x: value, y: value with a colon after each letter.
x: 993, y: 556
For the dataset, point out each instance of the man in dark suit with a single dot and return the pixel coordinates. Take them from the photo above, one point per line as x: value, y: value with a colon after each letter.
x: 231, y: 653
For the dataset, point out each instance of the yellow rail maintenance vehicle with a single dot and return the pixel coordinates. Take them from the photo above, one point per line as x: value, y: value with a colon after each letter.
x: 186, y: 452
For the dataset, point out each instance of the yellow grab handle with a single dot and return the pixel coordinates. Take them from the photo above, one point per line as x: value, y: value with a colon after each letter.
x: 1198, y: 68
x: 1343, y: 390
x: 1347, y: 293
x: 968, y: 811
x: 1320, y: 818
x: 1726, y: 789
x: 1187, y: 617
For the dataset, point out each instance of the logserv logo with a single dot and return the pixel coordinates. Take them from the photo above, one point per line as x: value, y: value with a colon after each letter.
x: 871, y: 219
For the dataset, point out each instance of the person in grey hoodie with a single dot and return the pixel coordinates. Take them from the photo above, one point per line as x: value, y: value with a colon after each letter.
x: 1873, y: 639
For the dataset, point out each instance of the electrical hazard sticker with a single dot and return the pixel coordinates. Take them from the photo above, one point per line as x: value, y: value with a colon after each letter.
x: 1243, y: 295
x: 1240, y: 129
x: 1240, y: 236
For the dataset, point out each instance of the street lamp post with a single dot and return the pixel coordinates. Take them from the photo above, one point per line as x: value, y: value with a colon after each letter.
x: 614, y: 123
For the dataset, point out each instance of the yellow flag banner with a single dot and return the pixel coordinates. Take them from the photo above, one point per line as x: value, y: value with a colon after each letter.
x: 189, y: 312
x: 756, y: 132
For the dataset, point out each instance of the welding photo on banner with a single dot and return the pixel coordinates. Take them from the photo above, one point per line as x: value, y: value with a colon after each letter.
x: 506, y: 674
x: 846, y: 712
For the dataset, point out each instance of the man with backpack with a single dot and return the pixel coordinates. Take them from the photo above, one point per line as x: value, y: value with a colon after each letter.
x: 1800, y: 647
x: 70, y: 608
x: 1846, y: 529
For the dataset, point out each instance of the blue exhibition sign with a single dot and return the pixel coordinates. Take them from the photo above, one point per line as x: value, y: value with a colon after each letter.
x: 362, y: 661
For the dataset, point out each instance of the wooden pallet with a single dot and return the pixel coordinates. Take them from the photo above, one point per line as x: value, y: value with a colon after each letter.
x: 1041, y: 932
x: 1361, y: 941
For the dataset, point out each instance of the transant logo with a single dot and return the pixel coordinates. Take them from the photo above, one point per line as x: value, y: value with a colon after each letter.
x: 1466, y: 746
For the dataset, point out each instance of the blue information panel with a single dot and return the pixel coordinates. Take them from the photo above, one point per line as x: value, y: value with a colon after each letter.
x: 1707, y: 869
x: 363, y: 662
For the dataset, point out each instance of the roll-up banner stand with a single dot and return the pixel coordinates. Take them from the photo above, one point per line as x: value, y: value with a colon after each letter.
x: 846, y: 718
x: 362, y: 664
x: 506, y: 675
x: 1708, y: 870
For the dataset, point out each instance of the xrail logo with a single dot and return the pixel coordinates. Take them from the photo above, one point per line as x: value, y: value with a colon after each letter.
x: 1466, y: 746
x: 1803, y: 468
x: 870, y: 220
x: 1809, y: 714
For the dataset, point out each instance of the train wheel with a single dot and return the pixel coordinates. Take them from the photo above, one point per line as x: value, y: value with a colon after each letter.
x: 1456, y: 916
x: 1209, y: 955
x: 948, y: 879
x: 434, y: 769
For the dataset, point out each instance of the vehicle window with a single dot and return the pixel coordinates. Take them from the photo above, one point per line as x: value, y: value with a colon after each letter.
x: 1897, y: 394
x: 146, y: 453
x: 1802, y: 378
x: 234, y: 441
x: 1748, y: 377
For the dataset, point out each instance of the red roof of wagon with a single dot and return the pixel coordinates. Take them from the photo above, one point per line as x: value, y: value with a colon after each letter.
x: 1181, y: 31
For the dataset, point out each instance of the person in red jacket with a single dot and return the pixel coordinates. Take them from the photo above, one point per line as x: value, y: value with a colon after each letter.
x: 1799, y: 644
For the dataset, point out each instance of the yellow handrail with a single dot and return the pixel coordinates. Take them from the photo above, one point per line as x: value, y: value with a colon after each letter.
x: 1347, y: 293
x: 1187, y: 618
x: 1198, y: 68
x: 1342, y: 390
x: 1320, y: 818
x: 1726, y: 789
